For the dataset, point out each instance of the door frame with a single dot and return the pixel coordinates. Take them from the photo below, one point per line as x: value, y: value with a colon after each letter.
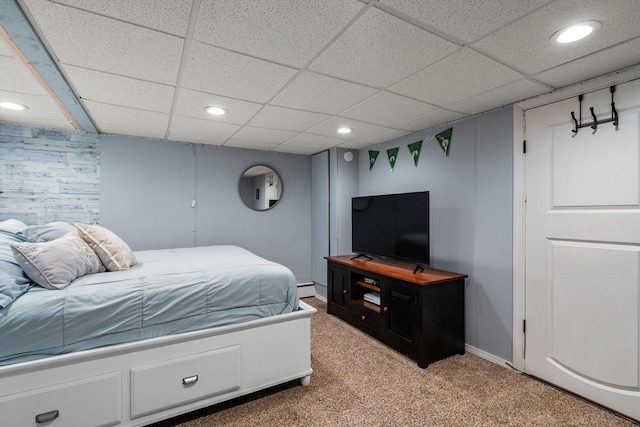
x: 519, y: 174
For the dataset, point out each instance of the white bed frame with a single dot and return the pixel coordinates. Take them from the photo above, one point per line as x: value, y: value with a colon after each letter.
x: 139, y: 383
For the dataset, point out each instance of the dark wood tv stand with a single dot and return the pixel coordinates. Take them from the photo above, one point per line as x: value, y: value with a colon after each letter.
x: 420, y: 314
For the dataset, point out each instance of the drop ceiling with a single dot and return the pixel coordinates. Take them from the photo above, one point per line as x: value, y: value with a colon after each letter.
x: 290, y: 72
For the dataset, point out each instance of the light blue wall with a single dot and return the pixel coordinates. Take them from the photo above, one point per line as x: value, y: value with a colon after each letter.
x: 143, y: 189
x: 471, y: 214
x: 344, y: 186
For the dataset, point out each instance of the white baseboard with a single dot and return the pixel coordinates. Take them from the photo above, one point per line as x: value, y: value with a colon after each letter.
x: 487, y: 356
x: 321, y: 298
x: 306, y: 290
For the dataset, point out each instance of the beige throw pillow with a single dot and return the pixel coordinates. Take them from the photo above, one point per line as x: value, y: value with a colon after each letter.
x: 114, y: 253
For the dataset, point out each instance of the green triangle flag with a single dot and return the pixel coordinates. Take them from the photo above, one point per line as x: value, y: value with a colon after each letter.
x: 414, y: 149
x: 393, y: 155
x: 444, y: 140
x: 373, y: 155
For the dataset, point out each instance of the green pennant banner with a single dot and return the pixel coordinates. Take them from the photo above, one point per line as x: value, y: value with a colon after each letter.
x: 373, y: 155
x: 393, y: 156
x: 414, y: 149
x: 444, y: 140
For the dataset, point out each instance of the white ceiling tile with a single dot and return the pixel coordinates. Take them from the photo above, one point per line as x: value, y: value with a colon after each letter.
x: 127, y: 121
x: 226, y: 73
x: 168, y: 16
x: 273, y: 136
x: 118, y: 90
x: 284, y: 31
x: 16, y: 77
x: 330, y: 128
x: 377, y: 137
x: 42, y: 111
x: 504, y: 95
x: 253, y: 145
x: 305, y: 143
x: 461, y: 75
x: 188, y: 129
x: 192, y: 103
x: 464, y: 19
x: 600, y: 63
x: 314, y: 92
x: 387, y: 108
x: 91, y: 41
x: 527, y: 44
x: 272, y: 117
x: 5, y: 50
x: 380, y: 50
x: 429, y: 120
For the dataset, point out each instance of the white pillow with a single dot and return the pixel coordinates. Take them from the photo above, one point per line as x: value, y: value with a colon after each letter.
x: 57, y: 263
x: 114, y: 253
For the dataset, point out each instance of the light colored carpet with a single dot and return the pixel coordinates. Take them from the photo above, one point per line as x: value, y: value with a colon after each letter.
x: 358, y: 381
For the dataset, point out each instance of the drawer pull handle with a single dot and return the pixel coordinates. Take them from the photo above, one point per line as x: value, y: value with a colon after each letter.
x: 344, y: 292
x: 385, y: 309
x: 47, y: 416
x: 190, y: 380
x: 363, y: 317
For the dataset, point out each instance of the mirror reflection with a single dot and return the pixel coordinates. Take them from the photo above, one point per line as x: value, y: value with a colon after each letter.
x: 260, y: 187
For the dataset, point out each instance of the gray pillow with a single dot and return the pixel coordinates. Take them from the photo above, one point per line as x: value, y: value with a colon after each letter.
x: 57, y: 263
x: 13, y: 281
x: 47, y: 232
x: 12, y: 225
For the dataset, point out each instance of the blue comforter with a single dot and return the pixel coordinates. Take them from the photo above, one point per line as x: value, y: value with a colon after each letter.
x: 170, y: 291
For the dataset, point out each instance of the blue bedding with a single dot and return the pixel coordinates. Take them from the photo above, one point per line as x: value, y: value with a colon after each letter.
x: 168, y: 292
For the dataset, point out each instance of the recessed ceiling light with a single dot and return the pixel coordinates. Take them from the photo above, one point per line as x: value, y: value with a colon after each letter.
x: 576, y: 32
x: 344, y: 130
x: 13, y: 106
x: 215, y: 111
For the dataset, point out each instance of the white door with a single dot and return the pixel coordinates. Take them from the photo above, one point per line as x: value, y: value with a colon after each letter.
x: 583, y: 249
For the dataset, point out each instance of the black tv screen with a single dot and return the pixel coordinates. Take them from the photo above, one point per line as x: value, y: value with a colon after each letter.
x: 392, y: 225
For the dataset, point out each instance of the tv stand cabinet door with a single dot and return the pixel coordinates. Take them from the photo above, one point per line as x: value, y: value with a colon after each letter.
x: 401, y: 321
x: 337, y: 291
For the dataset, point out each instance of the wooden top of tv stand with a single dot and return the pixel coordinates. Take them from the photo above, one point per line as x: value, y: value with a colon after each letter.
x: 397, y: 269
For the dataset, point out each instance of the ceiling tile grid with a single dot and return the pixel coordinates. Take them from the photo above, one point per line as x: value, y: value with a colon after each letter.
x: 191, y: 103
x: 273, y: 117
x: 167, y: 16
x: 387, y: 108
x: 315, y: 92
x: 283, y: 31
x: 358, y: 128
x: 188, y: 129
x: 127, y: 121
x: 455, y: 78
x: 95, y: 42
x: 606, y: 61
x: 119, y: 90
x: 214, y: 70
x: 526, y: 44
x: 290, y: 73
x: 464, y: 19
x: 379, y: 50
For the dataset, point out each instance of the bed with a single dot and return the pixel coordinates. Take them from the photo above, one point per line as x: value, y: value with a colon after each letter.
x: 179, y: 330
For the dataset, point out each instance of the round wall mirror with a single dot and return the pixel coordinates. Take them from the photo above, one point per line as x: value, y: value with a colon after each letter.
x: 260, y: 187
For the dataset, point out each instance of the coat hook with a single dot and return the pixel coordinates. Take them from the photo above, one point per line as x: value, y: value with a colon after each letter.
x: 614, y: 112
x: 594, y: 126
x: 575, y: 124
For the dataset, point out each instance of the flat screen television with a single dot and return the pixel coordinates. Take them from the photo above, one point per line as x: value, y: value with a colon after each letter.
x: 392, y: 226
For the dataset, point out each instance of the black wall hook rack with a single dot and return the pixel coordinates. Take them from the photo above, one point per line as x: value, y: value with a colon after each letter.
x: 594, y: 124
